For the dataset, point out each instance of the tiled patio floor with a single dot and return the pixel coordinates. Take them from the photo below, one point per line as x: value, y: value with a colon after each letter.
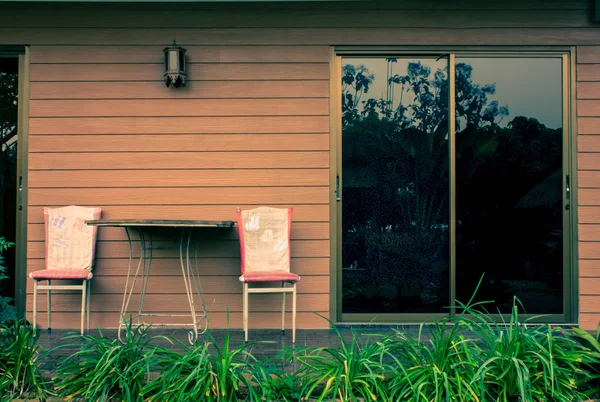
x: 263, y: 344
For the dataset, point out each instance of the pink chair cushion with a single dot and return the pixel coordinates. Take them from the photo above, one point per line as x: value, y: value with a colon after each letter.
x: 81, y: 274
x: 269, y: 276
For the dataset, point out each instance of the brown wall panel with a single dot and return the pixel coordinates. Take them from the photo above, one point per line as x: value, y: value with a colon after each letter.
x: 588, y: 90
x: 302, y: 213
x: 196, y: 72
x: 173, y: 284
x: 589, y: 286
x: 195, y: 54
x: 228, y: 266
x: 263, y: 320
x: 196, y: 90
x: 589, y: 107
x: 175, y: 107
x: 300, y: 231
x: 250, y: 128
x: 184, y: 125
x: 588, y: 54
x: 108, y: 303
x: 179, y: 142
x: 175, y: 160
x: 179, y: 178
x: 205, y: 248
x: 178, y: 196
x: 588, y: 72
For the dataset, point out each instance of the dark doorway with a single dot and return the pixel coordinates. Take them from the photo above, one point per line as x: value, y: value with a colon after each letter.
x: 9, y: 89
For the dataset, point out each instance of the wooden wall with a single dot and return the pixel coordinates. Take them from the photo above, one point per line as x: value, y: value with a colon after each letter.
x: 251, y: 127
x: 588, y: 112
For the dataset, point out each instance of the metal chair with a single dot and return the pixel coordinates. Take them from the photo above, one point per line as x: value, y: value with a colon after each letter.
x: 69, y: 255
x: 265, y: 257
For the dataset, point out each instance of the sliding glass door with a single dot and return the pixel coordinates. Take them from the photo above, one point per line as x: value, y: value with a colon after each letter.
x: 452, y: 168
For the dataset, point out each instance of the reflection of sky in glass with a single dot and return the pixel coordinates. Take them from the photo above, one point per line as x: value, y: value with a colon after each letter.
x: 530, y: 87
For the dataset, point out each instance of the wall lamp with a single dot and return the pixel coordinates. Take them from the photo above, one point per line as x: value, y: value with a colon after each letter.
x: 175, y: 65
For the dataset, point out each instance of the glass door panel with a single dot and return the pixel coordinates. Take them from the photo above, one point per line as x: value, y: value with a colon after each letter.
x: 509, y: 181
x: 395, y: 186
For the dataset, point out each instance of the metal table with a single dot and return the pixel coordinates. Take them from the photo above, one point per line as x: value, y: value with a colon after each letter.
x: 189, y: 271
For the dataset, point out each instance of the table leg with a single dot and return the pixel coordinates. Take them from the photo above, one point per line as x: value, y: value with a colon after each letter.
x: 128, y: 291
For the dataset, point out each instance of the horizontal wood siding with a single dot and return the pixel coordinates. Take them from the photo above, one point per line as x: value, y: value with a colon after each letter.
x: 250, y: 128
x: 588, y: 142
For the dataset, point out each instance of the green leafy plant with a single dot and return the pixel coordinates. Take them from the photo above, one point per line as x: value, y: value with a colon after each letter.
x: 274, y: 384
x: 20, y: 375
x: 7, y: 311
x: 204, y: 371
x: 525, y: 362
x: 104, y: 369
x: 355, y: 370
x: 591, y: 342
x: 183, y: 376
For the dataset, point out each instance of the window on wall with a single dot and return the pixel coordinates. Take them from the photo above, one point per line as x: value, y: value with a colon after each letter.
x: 427, y: 212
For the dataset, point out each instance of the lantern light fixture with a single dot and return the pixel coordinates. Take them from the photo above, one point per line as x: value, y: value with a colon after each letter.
x: 175, y: 66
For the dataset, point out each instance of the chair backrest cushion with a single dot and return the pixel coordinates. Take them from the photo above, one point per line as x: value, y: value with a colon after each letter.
x: 70, y: 243
x: 265, y: 239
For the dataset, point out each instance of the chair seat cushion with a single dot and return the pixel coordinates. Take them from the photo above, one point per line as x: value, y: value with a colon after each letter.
x: 269, y: 276
x: 81, y: 274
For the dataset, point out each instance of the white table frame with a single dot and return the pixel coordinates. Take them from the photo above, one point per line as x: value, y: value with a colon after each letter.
x: 189, y: 271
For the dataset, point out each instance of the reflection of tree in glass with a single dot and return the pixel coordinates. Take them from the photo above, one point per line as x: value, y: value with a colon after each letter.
x: 396, y: 187
x: 8, y: 132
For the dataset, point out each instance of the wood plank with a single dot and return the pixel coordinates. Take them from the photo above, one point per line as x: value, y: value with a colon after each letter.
x: 228, y: 266
x: 589, y: 178
x: 179, y: 142
x: 179, y: 107
x: 588, y: 54
x: 589, y: 268
x: 300, y: 36
x: 173, y: 285
x: 194, y: 54
x: 589, y: 214
x: 588, y: 107
x: 196, y: 72
x: 302, y: 213
x: 589, y: 304
x: 177, y: 160
x: 588, y: 72
x: 589, y: 250
x: 588, y: 90
x: 220, y: 303
x: 309, y: 17
x: 589, y: 196
x: 174, y: 196
x: 206, y: 248
x: 197, y: 90
x: 300, y: 231
x: 184, y: 125
x: 588, y: 143
x: 588, y: 161
x: 589, y: 232
x: 589, y: 286
x: 182, y: 178
x: 588, y: 125
x: 588, y: 321
x: 263, y: 320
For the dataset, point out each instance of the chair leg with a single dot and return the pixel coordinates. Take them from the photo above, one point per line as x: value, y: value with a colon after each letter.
x: 87, y: 308
x: 245, y: 312
x: 83, y: 303
x: 294, y: 314
x: 49, y: 305
x: 35, y: 294
x: 283, y: 310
